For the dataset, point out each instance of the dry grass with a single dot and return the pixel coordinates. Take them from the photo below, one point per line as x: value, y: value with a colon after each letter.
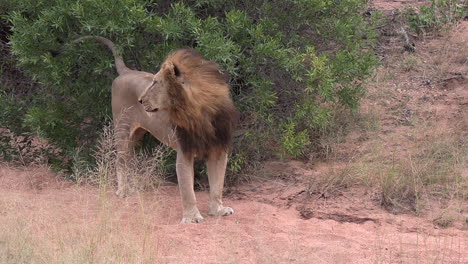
x: 417, y: 161
x: 410, y: 63
x: 96, y: 239
x: 452, y: 52
x: 43, y: 240
x: 145, y: 170
x: 332, y: 181
x: 366, y: 123
x: 409, y: 181
x: 404, y: 147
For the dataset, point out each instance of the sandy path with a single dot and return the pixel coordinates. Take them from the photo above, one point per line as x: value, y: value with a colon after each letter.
x: 71, y: 218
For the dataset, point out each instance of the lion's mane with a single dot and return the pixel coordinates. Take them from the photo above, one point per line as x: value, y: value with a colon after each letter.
x: 200, y: 106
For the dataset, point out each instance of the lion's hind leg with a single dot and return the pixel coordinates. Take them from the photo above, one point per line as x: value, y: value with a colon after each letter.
x: 216, y: 165
x: 127, y: 137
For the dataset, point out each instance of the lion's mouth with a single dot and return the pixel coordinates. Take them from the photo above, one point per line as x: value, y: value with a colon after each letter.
x: 148, y: 108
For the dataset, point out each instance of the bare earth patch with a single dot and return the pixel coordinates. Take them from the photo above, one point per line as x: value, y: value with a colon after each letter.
x: 71, y: 223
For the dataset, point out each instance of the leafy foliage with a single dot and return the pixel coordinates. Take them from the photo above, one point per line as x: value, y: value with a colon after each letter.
x: 292, y: 142
x: 289, y: 73
x: 437, y: 15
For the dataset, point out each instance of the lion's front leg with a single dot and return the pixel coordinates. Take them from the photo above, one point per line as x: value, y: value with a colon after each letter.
x: 216, y: 165
x: 184, y: 168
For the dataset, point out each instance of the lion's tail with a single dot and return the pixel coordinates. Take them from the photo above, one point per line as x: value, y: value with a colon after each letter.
x: 119, y: 63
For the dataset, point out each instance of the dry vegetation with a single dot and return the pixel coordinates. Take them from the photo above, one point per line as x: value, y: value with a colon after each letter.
x: 145, y: 170
x: 32, y: 238
x: 416, y: 152
x: 36, y: 238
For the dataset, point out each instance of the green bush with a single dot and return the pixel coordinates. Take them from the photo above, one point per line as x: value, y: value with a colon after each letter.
x: 291, y: 63
x: 9, y: 117
x: 437, y: 15
x: 292, y: 142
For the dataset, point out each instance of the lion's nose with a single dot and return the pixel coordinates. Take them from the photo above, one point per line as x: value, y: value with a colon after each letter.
x: 140, y: 100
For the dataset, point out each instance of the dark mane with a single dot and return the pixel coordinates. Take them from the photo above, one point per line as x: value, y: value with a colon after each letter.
x: 205, y: 117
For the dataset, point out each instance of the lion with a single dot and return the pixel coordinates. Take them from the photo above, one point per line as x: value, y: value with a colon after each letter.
x: 185, y: 105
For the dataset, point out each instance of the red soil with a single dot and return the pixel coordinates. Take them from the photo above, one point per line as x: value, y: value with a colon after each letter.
x: 266, y: 227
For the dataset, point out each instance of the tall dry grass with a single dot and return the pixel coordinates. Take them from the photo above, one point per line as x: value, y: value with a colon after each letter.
x: 43, y: 235
x: 146, y: 169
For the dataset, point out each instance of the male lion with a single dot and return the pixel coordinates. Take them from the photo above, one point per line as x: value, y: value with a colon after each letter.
x: 189, y: 99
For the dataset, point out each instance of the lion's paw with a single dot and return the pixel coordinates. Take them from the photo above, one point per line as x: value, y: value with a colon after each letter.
x: 192, y: 217
x: 196, y: 220
x: 222, y: 211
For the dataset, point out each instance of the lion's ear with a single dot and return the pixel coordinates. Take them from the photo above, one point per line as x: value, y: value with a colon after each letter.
x: 176, y: 70
x: 172, y: 69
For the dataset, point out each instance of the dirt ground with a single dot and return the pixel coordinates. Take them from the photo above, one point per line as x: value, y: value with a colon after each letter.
x: 269, y: 226
x: 276, y: 220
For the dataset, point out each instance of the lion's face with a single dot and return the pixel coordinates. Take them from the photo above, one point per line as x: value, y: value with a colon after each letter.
x: 154, y: 96
x: 157, y: 95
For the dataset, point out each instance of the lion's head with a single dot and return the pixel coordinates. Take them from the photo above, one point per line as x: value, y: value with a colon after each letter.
x: 154, y: 95
x: 195, y: 93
